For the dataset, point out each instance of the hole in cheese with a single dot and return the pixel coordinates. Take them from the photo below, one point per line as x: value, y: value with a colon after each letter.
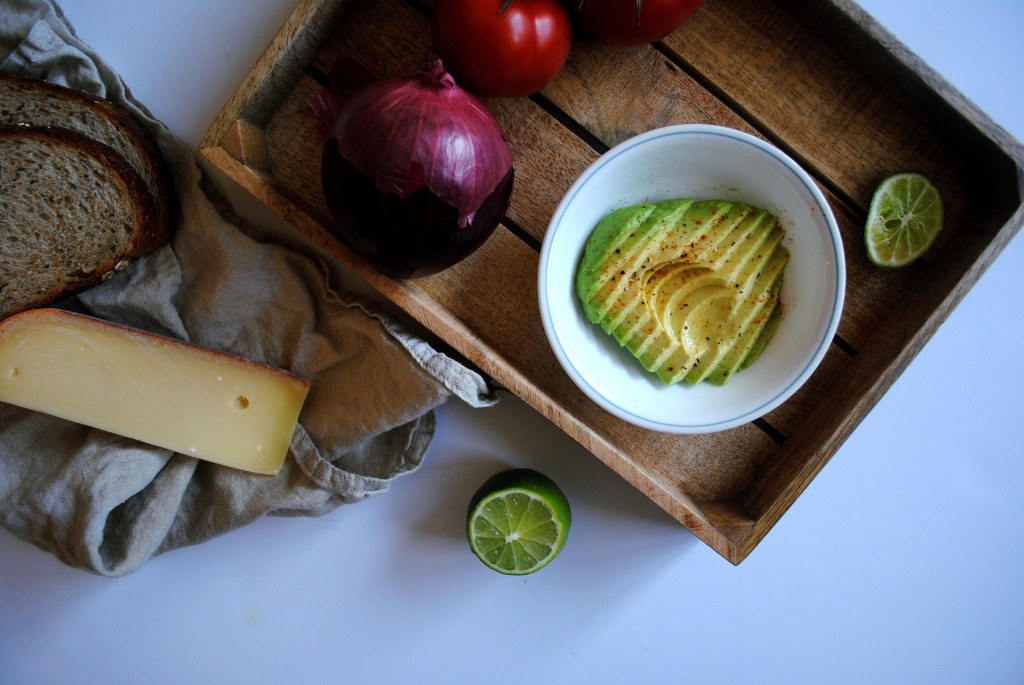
x: 161, y: 391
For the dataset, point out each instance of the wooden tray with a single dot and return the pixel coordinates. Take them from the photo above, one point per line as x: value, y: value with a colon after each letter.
x: 820, y: 79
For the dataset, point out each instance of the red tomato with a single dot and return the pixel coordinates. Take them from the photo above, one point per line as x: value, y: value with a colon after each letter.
x: 497, y: 52
x: 615, y: 21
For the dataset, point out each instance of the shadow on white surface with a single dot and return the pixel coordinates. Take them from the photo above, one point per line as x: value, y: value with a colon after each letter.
x: 901, y: 563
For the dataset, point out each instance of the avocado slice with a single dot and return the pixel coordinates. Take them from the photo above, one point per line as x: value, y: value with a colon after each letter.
x: 689, y: 287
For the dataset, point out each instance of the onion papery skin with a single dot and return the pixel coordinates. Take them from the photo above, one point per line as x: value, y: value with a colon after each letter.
x: 409, y: 237
x: 417, y: 173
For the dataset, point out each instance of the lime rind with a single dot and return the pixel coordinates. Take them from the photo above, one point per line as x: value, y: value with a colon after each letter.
x: 904, y: 219
x: 514, y: 532
x: 518, y: 522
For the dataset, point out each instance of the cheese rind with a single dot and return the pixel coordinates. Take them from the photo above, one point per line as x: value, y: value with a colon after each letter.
x: 158, y: 390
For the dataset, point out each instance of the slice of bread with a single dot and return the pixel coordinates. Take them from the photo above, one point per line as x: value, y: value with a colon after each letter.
x: 72, y: 210
x: 35, y: 102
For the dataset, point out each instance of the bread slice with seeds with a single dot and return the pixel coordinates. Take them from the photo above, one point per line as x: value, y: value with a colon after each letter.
x: 25, y: 100
x: 72, y: 211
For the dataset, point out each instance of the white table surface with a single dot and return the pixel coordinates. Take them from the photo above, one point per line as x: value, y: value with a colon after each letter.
x: 901, y: 563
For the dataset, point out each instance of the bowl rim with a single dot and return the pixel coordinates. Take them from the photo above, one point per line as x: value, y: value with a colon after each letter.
x: 822, y: 345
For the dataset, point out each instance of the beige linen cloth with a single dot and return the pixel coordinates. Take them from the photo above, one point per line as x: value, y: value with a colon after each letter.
x: 107, y: 504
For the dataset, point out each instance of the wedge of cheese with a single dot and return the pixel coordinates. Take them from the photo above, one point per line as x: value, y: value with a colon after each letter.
x: 157, y: 390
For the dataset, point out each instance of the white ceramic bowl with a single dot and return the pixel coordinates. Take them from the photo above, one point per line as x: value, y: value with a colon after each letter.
x: 703, y: 162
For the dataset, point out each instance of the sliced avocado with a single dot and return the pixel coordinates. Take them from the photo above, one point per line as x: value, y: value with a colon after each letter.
x: 748, y: 346
x: 688, y: 287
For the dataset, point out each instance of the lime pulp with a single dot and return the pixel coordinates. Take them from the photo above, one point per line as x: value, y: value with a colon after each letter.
x: 904, y: 219
x: 518, y: 521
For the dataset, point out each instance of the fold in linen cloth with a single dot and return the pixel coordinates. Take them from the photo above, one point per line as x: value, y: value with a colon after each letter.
x: 107, y: 504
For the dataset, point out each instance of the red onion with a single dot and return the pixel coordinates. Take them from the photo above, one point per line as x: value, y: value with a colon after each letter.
x: 416, y: 171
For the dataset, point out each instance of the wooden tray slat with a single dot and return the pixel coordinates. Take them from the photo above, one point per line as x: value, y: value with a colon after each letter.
x: 671, y: 96
x: 767, y: 72
x: 788, y: 80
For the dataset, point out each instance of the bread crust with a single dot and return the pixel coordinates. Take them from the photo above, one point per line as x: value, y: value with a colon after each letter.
x: 147, y: 234
x: 158, y: 184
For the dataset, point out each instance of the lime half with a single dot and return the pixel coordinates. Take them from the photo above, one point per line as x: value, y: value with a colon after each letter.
x: 904, y: 219
x: 518, y: 521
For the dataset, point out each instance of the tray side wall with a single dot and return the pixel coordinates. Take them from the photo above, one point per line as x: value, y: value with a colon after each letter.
x: 237, y: 142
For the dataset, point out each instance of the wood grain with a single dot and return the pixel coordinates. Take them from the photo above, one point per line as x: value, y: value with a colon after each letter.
x: 769, y: 68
